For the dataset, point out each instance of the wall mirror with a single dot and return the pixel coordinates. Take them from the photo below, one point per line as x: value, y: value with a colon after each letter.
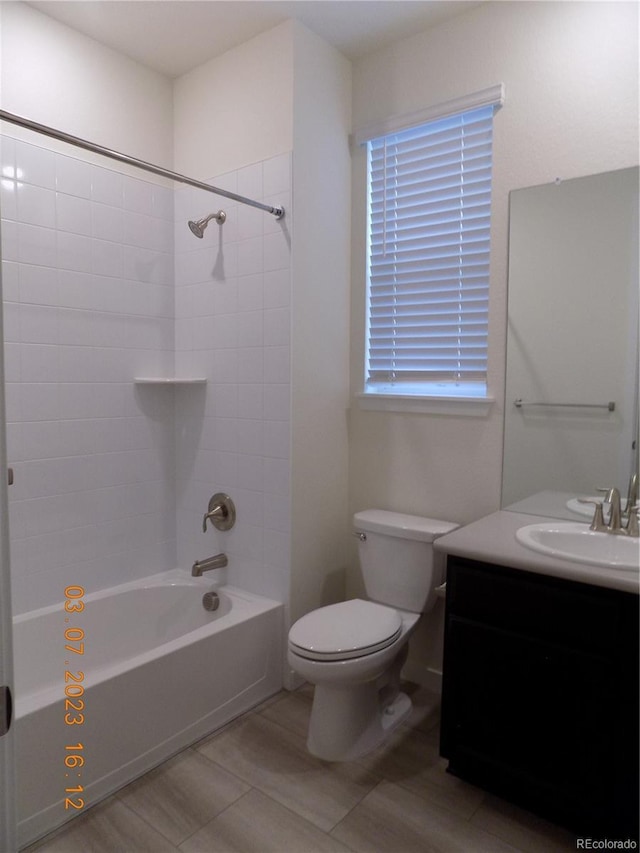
x: 571, y: 406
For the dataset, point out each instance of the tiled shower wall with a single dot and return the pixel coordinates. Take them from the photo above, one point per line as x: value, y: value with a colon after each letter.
x: 233, y: 321
x: 112, y: 478
x: 88, y: 305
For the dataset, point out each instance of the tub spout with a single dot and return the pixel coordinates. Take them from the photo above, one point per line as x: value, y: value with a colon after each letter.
x: 219, y: 561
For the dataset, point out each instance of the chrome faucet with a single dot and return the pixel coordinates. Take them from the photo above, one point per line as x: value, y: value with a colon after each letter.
x: 612, y: 497
x: 597, y: 522
x: 219, y: 561
x: 615, y: 523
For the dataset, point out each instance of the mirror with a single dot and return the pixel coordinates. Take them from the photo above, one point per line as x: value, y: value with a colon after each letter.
x: 571, y: 407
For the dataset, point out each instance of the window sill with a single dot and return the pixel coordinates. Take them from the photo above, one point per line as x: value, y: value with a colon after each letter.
x: 412, y: 403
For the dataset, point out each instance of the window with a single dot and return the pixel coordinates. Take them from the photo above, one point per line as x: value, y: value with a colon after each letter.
x: 429, y: 212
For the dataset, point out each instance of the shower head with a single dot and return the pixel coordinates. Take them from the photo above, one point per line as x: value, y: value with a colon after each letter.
x: 198, y: 226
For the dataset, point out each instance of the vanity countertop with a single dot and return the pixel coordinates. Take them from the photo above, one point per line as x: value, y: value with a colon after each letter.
x: 492, y: 539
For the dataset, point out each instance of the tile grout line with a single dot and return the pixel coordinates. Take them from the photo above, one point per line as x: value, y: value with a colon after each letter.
x: 142, y: 818
x: 381, y: 781
x: 215, y: 817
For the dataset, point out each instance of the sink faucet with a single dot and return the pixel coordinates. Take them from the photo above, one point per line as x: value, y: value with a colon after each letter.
x: 615, y: 521
x: 632, y: 494
x: 219, y: 561
x: 615, y: 525
x: 597, y: 523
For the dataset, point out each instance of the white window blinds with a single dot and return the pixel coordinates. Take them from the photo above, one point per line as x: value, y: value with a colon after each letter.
x: 428, y: 256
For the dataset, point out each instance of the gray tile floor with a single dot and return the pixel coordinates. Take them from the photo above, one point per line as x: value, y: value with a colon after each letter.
x: 253, y: 788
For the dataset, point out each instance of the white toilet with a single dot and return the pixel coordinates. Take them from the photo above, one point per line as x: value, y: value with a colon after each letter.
x: 353, y: 651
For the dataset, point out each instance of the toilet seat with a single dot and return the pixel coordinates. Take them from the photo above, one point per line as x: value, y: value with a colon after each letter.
x: 346, y: 630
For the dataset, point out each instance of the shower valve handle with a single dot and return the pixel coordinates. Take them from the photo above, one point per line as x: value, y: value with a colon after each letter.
x: 221, y: 512
x: 218, y: 513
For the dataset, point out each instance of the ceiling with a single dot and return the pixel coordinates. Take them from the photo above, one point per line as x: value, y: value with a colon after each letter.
x: 174, y: 36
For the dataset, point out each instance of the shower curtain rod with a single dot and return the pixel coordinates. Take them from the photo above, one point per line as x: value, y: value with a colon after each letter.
x: 278, y: 212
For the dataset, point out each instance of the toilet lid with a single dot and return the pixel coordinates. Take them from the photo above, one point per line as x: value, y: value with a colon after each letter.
x: 345, y: 630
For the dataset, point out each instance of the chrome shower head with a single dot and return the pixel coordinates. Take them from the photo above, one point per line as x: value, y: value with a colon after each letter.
x: 198, y: 226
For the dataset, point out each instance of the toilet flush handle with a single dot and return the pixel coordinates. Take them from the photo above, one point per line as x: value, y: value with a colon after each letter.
x: 361, y: 536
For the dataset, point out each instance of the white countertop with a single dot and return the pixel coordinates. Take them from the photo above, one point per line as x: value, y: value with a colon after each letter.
x: 492, y: 539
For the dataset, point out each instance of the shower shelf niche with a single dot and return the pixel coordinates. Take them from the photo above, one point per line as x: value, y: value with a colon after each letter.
x: 171, y: 380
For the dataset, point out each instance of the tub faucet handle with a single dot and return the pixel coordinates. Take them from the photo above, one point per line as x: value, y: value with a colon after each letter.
x: 221, y: 512
x: 209, y: 516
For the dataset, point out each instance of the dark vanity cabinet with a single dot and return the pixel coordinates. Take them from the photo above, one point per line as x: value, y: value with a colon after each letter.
x: 540, y: 694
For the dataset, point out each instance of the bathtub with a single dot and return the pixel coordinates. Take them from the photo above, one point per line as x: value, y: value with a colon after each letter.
x: 110, y: 684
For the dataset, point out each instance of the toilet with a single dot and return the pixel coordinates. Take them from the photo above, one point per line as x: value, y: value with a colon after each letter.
x: 353, y: 651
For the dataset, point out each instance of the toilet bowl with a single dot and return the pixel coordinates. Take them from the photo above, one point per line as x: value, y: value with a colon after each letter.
x: 353, y: 651
x: 357, y: 700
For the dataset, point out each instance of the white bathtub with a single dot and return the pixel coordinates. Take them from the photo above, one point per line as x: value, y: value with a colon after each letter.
x: 157, y: 673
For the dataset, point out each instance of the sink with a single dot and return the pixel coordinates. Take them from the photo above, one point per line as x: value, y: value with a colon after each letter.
x: 575, y: 542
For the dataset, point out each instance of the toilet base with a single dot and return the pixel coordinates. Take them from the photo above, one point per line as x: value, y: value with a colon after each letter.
x: 349, y: 723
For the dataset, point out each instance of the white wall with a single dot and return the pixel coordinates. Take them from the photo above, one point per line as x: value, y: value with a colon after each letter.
x: 88, y: 298
x: 56, y: 76
x: 233, y: 326
x: 283, y: 91
x: 571, y: 77
x: 236, y: 109
x: 236, y: 121
x: 233, y: 129
x: 570, y: 72
x: 87, y: 267
x: 237, y: 113
x: 320, y: 331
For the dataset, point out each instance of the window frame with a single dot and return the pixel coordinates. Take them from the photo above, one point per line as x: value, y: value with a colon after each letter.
x: 437, y: 397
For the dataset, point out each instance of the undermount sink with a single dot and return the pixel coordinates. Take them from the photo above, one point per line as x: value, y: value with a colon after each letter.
x: 576, y: 542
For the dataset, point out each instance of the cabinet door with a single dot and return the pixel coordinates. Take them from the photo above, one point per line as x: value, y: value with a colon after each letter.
x: 527, y: 718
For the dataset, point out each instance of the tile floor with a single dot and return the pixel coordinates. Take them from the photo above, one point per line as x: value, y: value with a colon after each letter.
x: 253, y: 788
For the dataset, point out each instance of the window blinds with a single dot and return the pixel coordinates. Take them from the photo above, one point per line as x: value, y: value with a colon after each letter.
x: 428, y: 255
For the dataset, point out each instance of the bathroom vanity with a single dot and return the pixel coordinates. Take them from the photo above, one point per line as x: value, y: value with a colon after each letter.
x: 540, y: 683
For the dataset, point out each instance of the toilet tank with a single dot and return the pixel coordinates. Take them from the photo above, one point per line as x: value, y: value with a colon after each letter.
x: 399, y: 565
